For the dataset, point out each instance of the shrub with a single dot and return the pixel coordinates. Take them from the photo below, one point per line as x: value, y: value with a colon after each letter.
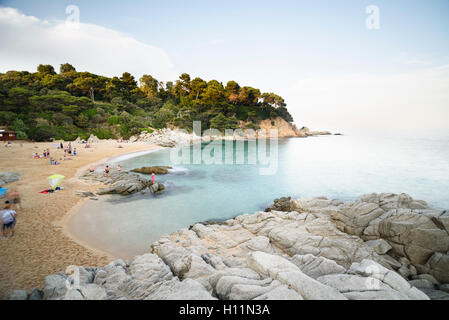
x: 21, y: 135
x: 7, y: 117
x: 43, y: 133
x: 18, y: 125
x: 113, y: 120
x: 103, y: 133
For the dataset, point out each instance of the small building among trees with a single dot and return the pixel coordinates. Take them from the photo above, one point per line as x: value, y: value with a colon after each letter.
x: 6, y: 135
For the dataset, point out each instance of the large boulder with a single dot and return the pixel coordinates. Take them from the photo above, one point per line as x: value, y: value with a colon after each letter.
x: 315, y: 267
x: 379, y: 245
x: 18, y: 295
x: 118, y: 182
x: 7, y: 177
x: 281, y: 204
x: 284, y: 271
x: 410, y: 227
x: 56, y: 286
x: 157, y: 188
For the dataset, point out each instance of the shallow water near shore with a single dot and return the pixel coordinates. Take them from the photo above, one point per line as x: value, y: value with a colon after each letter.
x: 341, y: 167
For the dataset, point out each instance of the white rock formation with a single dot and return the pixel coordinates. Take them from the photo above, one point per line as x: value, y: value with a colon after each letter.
x: 315, y: 252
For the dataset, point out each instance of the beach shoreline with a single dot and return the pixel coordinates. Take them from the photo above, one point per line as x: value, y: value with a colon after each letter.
x: 42, y: 243
x: 65, y: 222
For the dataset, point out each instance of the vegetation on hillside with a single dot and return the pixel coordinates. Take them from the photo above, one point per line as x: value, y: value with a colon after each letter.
x: 71, y: 104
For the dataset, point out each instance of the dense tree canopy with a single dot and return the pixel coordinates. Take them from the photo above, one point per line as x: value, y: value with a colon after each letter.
x: 68, y: 104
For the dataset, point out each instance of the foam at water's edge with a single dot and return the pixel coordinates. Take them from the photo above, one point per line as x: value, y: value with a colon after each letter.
x: 178, y: 170
x: 133, y: 155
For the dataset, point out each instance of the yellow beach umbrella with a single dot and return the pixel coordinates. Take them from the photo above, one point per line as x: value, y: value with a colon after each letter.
x: 55, y: 180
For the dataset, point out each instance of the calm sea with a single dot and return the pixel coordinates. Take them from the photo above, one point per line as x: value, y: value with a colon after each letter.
x: 342, y: 167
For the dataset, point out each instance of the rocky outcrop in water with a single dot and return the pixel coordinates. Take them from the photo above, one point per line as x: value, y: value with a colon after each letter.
x: 157, y: 188
x: 306, y: 132
x: 325, y: 249
x: 153, y: 169
x: 120, y: 182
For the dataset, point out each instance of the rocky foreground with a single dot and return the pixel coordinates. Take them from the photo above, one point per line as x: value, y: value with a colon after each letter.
x: 381, y: 246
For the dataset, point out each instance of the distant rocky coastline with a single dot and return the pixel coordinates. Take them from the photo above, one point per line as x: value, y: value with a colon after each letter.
x: 380, y: 246
x: 174, y: 137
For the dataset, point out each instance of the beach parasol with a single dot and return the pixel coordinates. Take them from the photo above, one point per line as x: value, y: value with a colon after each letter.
x: 55, y: 180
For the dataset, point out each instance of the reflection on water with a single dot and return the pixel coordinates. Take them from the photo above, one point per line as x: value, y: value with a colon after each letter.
x: 342, y: 167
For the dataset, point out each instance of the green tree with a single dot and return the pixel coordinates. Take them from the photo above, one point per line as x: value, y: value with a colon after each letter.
x: 149, y: 85
x: 46, y: 69
x: 197, y: 86
x: 249, y: 96
x: 88, y: 84
x: 162, y: 117
x: 214, y: 93
x: 82, y: 121
x: 18, y: 125
x: 232, y: 89
x: 220, y: 122
x: 66, y: 67
x: 18, y: 99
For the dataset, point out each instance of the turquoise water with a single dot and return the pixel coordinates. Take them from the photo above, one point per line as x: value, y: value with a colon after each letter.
x: 342, y: 167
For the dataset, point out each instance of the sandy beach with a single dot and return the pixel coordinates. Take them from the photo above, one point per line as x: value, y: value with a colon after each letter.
x: 40, y: 245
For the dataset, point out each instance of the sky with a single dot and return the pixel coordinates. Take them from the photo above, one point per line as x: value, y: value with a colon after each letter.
x: 334, y: 73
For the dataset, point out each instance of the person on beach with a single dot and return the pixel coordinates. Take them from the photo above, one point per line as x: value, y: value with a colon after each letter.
x: 74, y: 151
x: 8, y: 218
x: 61, y: 146
x: 91, y: 169
x: 48, y: 152
x: 106, y: 170
x: 153, y: 177
x: 45, y: 154
x: 119, y: 168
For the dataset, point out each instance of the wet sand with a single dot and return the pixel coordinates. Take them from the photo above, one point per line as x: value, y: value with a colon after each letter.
x: 41, y: 246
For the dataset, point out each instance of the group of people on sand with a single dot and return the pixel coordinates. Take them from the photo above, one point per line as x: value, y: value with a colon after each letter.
x: 45, y: 154
x: 8, y: 216
x: 69, y: 150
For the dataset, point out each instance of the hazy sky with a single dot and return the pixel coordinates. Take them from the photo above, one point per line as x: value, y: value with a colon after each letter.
x: 333, y: 71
